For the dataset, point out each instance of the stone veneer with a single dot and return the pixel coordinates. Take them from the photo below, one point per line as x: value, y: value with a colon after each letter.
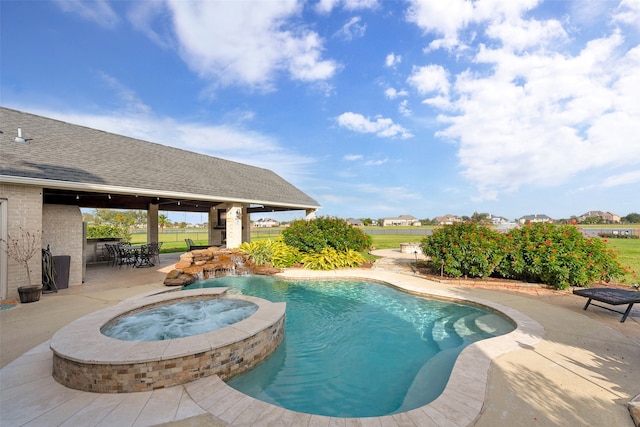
x: 210, y: 263
x: 85, y: 359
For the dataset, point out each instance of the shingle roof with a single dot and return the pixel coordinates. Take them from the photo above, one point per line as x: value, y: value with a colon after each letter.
x: 68, y: 154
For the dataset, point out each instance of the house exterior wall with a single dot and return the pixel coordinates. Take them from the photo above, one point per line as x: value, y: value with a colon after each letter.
x: 24, y: 210
x: 62, y: 231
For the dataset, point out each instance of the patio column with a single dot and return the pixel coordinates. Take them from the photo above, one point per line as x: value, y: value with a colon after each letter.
x: 212, y: 224
x: 152, y: 223
x: 246, y: 225
x: 310, y: 214
x: 234, y: 225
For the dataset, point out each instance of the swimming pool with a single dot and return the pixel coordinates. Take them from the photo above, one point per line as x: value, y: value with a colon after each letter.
x: 358, y: 348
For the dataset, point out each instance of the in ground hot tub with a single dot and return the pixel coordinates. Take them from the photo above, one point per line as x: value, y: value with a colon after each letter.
x: 86, y: 359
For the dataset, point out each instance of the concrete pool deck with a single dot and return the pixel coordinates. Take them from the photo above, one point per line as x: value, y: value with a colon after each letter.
x: 583, y: 371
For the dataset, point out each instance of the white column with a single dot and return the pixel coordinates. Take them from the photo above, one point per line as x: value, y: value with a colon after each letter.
x: 234, y: 225
x: 311, y: 214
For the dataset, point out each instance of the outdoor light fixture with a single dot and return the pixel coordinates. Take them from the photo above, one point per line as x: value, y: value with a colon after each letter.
x: 109, y: 196
x: 178, y: 202
x: 77, y: 197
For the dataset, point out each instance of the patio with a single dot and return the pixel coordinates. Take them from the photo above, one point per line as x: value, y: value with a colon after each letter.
x: 583, y: 371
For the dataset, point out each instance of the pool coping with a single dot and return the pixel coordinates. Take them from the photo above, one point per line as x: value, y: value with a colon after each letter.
x: 459, y: 404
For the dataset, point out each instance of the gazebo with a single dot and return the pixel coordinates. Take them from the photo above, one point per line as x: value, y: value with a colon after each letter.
x: 50, y: 169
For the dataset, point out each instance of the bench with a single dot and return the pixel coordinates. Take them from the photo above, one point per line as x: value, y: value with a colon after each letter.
x: 611, y: 297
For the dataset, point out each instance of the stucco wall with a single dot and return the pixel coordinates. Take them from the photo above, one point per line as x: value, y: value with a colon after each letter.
x: 62, y: 231
x: 24, y: 209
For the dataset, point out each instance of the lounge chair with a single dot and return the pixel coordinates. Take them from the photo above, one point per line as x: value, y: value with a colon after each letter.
x: 611, y: 297
x: 191, y: 246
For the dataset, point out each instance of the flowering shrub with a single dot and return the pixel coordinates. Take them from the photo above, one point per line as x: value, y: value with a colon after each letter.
x: 464, y: 249
x: 559, y: 256
x: 315, y: 235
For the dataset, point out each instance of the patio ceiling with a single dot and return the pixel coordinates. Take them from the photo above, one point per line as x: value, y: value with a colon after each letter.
x: 100, y: 200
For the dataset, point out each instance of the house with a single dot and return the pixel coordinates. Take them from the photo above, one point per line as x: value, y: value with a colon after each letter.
x: 534, y: 218
x: 401, y: 220
x: 606, y: 217
x: 447, y: 219
x: 496, y: 220
x: 355, y: 222
x: 50, y: 169
x: 265, y: 223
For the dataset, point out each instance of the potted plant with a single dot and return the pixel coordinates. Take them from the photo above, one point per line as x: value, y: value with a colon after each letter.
x: 21, y: 250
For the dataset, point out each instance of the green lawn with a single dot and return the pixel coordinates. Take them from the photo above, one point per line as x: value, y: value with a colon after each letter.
x: 628, y: 251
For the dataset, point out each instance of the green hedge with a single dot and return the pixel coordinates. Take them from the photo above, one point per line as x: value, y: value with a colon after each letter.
x: 313, y: 236
x: 559, y: 256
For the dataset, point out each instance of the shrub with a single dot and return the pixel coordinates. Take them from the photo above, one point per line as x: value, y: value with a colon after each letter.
x: 267, y: 252
x: 464, y: 249
x: 313, y: 236
x: 559, y: 256
x: 331, y: 259
x: 106, y: 231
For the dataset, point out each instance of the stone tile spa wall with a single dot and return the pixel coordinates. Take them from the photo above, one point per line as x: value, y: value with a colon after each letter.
x: 84, y: 359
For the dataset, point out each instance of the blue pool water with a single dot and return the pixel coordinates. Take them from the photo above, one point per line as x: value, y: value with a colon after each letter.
x: 358, y: 348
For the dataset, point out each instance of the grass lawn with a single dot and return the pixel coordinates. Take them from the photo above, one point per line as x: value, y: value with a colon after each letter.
x: 628, y: 251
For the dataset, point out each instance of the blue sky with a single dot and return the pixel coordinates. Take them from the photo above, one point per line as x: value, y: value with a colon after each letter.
x: 373, y: 108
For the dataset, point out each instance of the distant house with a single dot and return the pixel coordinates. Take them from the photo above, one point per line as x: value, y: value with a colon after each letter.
x: 401, y: 220
x: 266, y: 222
x: 447, y: 219
x: 535, y: 218
x: 606, y: 217
x: 498, y: 220
x: 355, y: 222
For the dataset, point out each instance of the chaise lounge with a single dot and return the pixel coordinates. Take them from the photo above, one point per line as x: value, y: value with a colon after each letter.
x: 611, y: 297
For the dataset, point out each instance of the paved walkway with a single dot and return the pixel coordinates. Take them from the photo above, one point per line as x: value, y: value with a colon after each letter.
x: 583, y: 372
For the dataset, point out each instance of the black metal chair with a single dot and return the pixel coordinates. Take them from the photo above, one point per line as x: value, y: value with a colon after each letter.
x: 154, y: 251
x: 126, y: 256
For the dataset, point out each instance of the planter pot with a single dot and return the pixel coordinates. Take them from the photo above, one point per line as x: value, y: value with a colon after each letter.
x: 29, y: 293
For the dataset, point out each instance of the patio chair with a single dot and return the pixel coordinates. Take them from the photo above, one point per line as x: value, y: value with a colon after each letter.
x: 154, y: 251
x: 125, y: 256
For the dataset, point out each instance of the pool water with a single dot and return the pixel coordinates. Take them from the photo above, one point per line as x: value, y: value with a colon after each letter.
x: 179, y: 319
x: 358, y: 348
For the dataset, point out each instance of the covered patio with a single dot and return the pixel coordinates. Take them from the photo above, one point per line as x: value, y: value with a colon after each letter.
x: 50, y: 169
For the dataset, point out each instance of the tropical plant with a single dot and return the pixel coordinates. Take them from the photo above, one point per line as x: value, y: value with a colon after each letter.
x: 331, y: 259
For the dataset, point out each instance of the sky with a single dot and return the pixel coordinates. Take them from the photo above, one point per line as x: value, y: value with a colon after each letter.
x: 373, y: 108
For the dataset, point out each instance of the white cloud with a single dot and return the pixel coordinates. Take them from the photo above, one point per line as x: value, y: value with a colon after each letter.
x: 326, y: 6
x: 403, y: 108
x: 382, y: 127
x: 392, y: 93
x: 353, y: 157
x: 628, y: 12
x: 131, y: 100
x: 449, y: 18
x: 237, y: 43
x: 145, y: 15
x: 542, y: 118
x: 98, y: 11
x: 429, y: 79
x: 632, y: 177
x: 392, y: 60
x: 352, y: 29
x: 376, y: 162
